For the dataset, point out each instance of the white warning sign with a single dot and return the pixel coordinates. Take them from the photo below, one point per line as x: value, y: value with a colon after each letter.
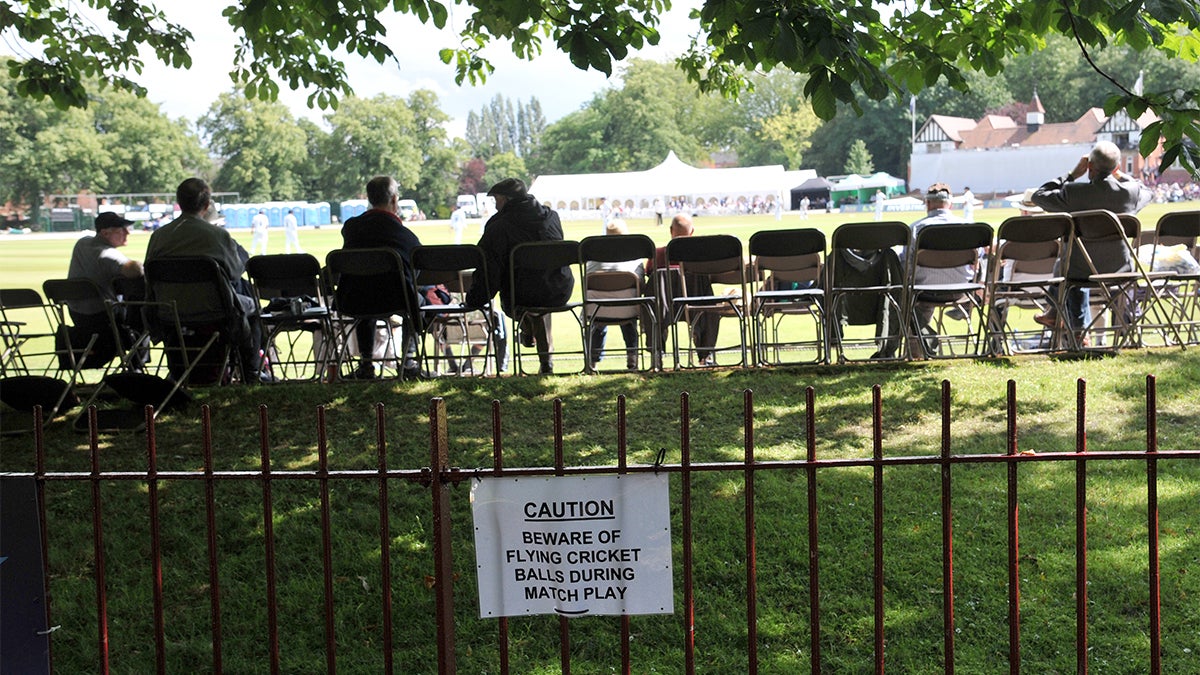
x: 573, y: 545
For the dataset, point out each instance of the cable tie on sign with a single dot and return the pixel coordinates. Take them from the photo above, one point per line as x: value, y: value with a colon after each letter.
x: 659, y: 459
x: 47, y: 632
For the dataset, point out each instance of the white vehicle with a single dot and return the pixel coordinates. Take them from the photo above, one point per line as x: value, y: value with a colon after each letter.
x: 408, y: 209
x: 487, y: 204
x: 469, y: 205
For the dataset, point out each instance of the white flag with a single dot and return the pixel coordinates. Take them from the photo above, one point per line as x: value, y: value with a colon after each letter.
x: 1139, y: 85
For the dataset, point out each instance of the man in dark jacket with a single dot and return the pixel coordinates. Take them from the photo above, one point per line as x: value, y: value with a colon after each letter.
x: 381, y: 227
x: 520, y: 218
x: 1107, y: 187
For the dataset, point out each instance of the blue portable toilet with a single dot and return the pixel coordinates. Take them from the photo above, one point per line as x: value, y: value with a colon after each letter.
x: 323, y: 214
x: 311, y: 215
x: 275, y: 214
x: 234, y: 216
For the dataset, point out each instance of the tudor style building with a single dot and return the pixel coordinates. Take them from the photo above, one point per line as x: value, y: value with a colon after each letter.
x: 997, y: 156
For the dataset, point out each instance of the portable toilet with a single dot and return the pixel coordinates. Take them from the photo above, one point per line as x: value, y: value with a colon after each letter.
x: 312, y: 215
x: 323, y: 214
x: 275, y: 213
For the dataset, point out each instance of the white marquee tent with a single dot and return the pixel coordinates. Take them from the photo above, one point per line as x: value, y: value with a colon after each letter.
x: 704, y: 189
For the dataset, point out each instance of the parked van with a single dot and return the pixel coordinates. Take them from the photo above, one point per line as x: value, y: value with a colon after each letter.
x: 487, y: 204
x: 408, y: 209
x: 469, y: 205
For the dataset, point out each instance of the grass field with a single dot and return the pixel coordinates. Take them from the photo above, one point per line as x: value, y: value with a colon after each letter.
x: 1046, y: 389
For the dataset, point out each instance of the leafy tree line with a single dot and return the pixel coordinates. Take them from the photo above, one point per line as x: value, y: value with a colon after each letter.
x: 848, y: 51
x: 258, y: 148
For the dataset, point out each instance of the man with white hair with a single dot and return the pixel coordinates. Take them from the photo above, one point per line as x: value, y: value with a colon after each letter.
x: 1107, y: 187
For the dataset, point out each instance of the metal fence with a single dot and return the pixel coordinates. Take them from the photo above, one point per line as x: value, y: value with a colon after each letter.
x: 439, y: 477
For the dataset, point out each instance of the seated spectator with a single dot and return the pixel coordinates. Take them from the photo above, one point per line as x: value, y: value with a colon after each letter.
x: 705, y: 326
x: 194, y: 234
x: 519, y: 219
x: 937, y: 208
x: 97, y: 258
x: 382, y: 227
x: 599, y: 333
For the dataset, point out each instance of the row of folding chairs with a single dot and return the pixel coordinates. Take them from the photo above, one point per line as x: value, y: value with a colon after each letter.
x: 795, y: 298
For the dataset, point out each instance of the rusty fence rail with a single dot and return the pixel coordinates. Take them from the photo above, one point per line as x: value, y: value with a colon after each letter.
x: 440, y: 475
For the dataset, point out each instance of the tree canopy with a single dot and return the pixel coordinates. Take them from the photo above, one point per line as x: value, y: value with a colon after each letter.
x: 843, y: 46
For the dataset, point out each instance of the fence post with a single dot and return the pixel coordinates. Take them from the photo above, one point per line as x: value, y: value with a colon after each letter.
x: 443, y: 557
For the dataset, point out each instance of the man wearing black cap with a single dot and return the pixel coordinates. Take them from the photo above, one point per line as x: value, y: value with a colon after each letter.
x: 520, y: 218
x: 98, y: 259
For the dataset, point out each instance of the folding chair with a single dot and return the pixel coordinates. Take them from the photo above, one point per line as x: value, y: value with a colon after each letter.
x: 866, y: 287
x: 708, y: 263
x: 619, y: 297
x: 372, y: 285
x: 1103, y: 259
x: 295, y: 311
x: 787, y: 273
x: 190, y: 305
x: 33, y: 374
x: 937, y: 284
x: 453, y: 333
x: 25, y: 319
x: 529, y: 263
x: 1175, y: 250
x: 1022, y: 275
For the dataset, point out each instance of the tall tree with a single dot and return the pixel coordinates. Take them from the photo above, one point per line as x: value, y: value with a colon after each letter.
x: 437, y: 186
x: 165, y: 152
x: 371, y: 137
x: 505, y: 165
x: 858, y: 160
x: 259, y: 145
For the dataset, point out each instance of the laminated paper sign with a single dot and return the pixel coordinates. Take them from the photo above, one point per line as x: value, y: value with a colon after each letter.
x: 573, y: 546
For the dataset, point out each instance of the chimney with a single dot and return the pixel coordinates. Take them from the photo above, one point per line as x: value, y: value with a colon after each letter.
x: 1036, y: 115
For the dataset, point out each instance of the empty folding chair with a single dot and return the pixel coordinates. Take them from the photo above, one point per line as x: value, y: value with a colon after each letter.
x: 295, y: 312
x: 372, y: 288
x: 866, y: 287
x: 533, y: 302
x: 1175, y: 251
x: 946, y: 289
x: 787, y: 275
x: 714, y: 287
x: 453, y: 333
x: 33, y: 373
x: 1023, y: 283
x: 616, y: 294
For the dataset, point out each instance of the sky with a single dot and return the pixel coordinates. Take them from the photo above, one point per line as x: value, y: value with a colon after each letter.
x: 559, y: 86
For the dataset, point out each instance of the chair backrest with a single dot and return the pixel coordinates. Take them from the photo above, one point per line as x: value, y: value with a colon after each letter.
x: 196, y: 286
x: 20, y: 298
x: 63, y: 291
x: 370, y: 282
x: 1101, y: 244
x: 616, y: 248
x: 870, y: 236
x: 1034, y: 229
x: 285, y: 275
x: 533, y: 268
x: 951, y: 244
x: 1179, y: 227
x: 613, y: 284
x: 716, y: 256
x: 788, y: 255
x: 451, y: 265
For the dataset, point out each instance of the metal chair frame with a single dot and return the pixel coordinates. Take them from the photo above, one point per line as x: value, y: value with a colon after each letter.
x: 795, y: 257
x: 624, y: 297
x: 714, y: 260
